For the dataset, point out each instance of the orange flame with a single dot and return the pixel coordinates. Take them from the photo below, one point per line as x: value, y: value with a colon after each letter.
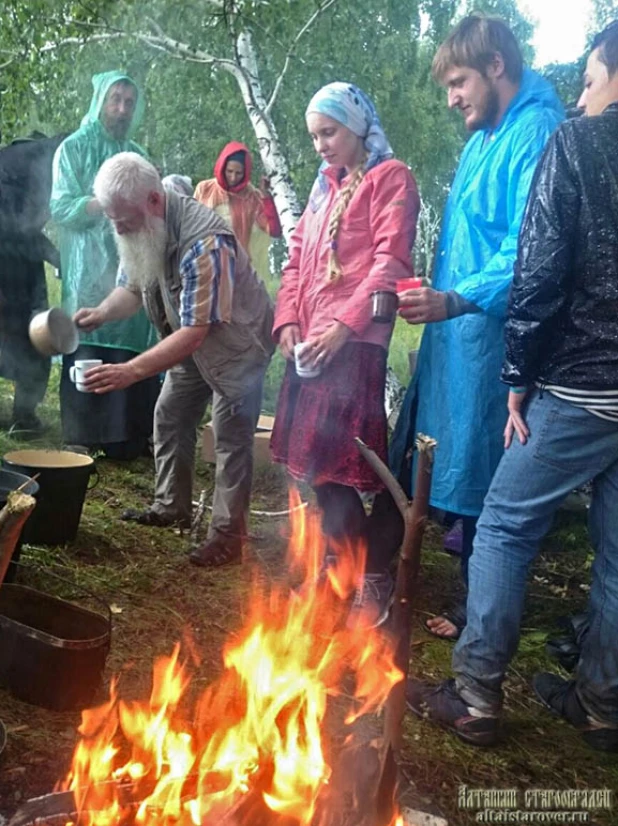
x: 257, y: 733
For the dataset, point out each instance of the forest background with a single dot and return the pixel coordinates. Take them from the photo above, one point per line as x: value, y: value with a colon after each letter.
x: 220, y: 70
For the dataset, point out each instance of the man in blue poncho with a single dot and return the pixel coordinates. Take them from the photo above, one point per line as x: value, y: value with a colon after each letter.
x: 456, y: 395
x: 121, y: 422
x: 561, y: 365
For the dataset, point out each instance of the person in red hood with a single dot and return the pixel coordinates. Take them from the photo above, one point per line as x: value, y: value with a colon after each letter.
x: 250, y: 211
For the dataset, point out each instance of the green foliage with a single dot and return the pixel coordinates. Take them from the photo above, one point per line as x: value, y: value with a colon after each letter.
x: 193, y: 108
x: 567, y: 78
x: 604, y: 11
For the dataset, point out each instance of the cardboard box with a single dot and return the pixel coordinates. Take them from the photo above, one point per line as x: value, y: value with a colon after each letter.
x: 261, y: 442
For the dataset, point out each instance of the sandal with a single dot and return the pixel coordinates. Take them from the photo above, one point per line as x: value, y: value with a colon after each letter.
x: 216, y: 552
x: 456, y: 617
x: 151, y: 518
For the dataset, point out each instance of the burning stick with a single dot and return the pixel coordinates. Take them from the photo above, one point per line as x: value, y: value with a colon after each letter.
x: 12, y: 517
x: 414, y: 515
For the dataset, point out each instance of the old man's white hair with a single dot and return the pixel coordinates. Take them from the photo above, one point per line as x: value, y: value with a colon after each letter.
x: 127, y: 175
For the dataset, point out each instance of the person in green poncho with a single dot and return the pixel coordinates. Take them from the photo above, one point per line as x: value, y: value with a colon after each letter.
x: 120, y: 423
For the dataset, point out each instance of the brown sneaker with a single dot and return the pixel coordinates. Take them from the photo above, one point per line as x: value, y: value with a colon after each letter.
x: 217, y: 551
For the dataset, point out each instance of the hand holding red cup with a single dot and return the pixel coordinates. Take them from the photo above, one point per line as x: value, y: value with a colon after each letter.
x: 419, y: 304
x: 402, y: 285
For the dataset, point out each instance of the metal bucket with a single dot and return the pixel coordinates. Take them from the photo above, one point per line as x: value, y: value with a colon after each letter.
x: 63, y: 478
x: 52, y: 652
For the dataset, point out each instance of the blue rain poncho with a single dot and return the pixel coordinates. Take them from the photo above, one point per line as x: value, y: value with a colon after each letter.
x: 88, y: 255
x: 456, y: 395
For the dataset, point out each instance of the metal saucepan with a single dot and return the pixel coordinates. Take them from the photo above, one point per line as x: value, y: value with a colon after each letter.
x: 54, y: 333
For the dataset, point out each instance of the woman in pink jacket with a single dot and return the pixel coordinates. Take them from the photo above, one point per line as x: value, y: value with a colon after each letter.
x: 354, y: 238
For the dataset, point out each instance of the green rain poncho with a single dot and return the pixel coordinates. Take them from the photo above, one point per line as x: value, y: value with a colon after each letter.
x: 87, y: 249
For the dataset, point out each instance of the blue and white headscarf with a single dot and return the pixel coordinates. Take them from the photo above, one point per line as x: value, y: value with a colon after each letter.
x: 350, y: 106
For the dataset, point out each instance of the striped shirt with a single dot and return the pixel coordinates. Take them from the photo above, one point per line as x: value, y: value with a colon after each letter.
x: 602, y: 403
x: 207, y: 273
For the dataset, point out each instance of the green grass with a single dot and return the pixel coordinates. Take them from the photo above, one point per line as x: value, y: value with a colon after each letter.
x: 54, y: 287
x: 406, y: 338
x: 157, y: 596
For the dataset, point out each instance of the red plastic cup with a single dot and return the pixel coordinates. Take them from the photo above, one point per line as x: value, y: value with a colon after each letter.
x: 403, y: 284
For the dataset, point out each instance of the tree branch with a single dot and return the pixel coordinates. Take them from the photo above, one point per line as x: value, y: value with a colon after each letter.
x: 159, y: 41
x: 290, y: 53
x: 81, y: 41
x: 381, y: 470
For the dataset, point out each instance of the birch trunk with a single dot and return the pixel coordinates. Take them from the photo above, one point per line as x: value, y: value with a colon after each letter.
x: 273, y: 159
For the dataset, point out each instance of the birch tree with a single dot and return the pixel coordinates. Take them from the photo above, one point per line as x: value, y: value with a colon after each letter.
x: 228, y: 22
x: 239, y: 63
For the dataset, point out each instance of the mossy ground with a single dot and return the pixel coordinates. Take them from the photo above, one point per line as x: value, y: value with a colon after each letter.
x: 157, y: 596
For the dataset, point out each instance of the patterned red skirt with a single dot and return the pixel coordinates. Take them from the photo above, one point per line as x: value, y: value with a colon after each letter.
x: 317, y: 419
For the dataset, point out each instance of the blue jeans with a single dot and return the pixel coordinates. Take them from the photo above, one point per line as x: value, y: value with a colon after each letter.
x: 567, y: 447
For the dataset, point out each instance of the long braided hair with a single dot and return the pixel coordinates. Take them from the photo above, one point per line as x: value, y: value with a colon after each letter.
x: 335, y: 273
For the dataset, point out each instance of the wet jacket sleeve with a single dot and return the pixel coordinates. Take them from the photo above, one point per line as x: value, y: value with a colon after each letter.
x: 69, y: 198
x: 286, y: 308
x: 394, y: 212
x: 34, y: 247
x: 543, y: 269
x: 489, y: 288
x: 271, y: 216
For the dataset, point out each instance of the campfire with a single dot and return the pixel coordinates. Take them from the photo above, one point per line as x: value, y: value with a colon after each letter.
x: 255, y: 747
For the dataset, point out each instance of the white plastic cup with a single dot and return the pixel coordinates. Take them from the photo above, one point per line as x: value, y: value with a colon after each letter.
x: 305, y: 371
x: 77, y: 371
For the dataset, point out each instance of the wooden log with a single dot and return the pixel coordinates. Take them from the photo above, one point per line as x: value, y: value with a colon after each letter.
x: 13, y: 515
x: 414, y: 515
x: 415, y: 519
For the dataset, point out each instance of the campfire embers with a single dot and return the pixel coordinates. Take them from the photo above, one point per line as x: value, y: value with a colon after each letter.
x: 257, y: 747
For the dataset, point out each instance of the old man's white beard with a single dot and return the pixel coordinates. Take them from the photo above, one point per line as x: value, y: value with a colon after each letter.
x: 142, y: 254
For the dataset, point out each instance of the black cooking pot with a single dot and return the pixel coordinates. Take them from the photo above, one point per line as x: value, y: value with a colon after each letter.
x: 63, y: 479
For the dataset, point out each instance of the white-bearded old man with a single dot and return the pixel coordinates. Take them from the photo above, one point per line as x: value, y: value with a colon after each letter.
x: 182, y: 263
